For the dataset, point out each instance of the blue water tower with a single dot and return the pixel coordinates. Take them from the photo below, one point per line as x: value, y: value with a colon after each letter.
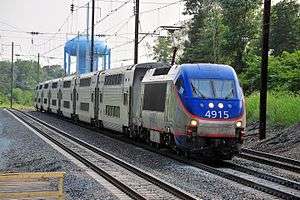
x: 80, y: 47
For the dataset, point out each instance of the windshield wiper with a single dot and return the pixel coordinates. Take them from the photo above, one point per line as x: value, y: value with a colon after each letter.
x: 197, y: 91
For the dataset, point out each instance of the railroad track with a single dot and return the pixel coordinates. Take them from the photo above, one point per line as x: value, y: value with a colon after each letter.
x: 137, y: 188
x: 271, y: 159
x: 273, y: 178
x: 288, y: 191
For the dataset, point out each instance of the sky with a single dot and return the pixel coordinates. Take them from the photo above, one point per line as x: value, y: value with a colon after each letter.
x: 54, y: 19
x: 55, y: 23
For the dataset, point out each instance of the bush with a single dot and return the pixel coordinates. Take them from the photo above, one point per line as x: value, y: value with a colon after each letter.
x: 284, y: 73
x: 23, y: 97
x: 283, y: 108
x: 3, y: 99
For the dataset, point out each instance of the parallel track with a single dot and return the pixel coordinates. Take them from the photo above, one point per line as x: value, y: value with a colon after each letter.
x: 271, y: 159
x: 229, y: 176
x: 133, y: 194
x: 273, y: 178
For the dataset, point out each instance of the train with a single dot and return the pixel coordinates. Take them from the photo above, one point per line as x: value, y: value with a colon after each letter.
x: 195, y: 109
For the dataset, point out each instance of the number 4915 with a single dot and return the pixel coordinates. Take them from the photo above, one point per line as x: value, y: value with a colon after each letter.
x: 217, y: 114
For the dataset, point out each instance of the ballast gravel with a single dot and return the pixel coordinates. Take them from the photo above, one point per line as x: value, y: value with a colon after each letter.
x: 283, y: 141
x: 23, y: 151
x: 188, y: 178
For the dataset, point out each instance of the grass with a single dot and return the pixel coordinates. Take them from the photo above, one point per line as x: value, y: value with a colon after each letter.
x: 17, y: 106
x: 283, y: 108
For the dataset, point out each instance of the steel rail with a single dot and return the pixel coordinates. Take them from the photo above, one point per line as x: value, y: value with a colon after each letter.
x: 131, y: 193
x: 154, y: 180
x: 269, y: 159
x: 272, y: 156
x: 275, y: 179
x: 229, y: 176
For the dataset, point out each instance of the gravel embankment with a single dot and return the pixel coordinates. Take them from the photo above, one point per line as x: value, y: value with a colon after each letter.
x: 191, y: 179
x: 280, y: 141
x: 23, y: 151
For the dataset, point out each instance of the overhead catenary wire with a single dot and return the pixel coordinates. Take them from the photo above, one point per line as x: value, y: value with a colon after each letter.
x: 112, y: 12
x: 116, y: 31
x: 141, y: 13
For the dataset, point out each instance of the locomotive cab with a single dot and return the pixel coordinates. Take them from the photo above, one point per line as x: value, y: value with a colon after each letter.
x: 212, y: 99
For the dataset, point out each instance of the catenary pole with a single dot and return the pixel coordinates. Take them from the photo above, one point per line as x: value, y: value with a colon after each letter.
x: 38, y: 68
x: 136, y: 31
x: 92, y: 35
x: 12, y: 74
x: 264, y: 70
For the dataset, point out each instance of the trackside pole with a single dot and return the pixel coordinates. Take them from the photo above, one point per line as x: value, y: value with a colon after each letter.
x: 264, y: 70
x: 12, y: 74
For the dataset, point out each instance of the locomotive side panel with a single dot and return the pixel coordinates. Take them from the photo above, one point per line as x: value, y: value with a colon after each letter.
x: 177, y: 119
x: 154, y: 105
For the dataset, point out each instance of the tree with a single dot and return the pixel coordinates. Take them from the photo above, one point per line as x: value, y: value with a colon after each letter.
x: 25, y: 79
x: 52, y: 72
x: 285, y: 27
x: 5, y: 77
x: 240, y: 18
x: 221, y: 30
x: 26, y: 74
x: 284, y: 71
x: 162, y: 50
x: 205, y: 32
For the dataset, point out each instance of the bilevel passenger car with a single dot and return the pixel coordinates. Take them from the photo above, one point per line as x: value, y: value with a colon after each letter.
x: 192, y: 108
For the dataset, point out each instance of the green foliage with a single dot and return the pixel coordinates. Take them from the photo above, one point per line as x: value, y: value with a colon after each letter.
x: 4, y: 77
x: 52, y: 72
x: 285, y: 27
x: 3, y: 99
x: 205, y: 37
x: 163, y: 49
x: 240, y: 18
x: 26, y: 76
x: 283, y: 73
x: 221, y: 30
x: 23, y: 97
x: 283, y: 108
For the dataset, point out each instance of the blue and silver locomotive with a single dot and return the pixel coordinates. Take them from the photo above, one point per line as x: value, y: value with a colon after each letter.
x: 204, y: 109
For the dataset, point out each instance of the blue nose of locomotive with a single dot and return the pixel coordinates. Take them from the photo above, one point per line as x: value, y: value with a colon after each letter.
x: 215, y: 108
x: 211, y: 91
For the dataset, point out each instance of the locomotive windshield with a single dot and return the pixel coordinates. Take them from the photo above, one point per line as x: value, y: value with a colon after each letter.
x: 213, y: 88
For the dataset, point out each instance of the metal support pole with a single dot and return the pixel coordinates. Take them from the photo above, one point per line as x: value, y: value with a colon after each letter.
x: 87, y: 20
x: 136, y: 32
x: 92, y: 35
x: 12, y: 74
x: 174, y: 55
x: 65, y: 61
x: 264, y: 70
x: 38, y: 68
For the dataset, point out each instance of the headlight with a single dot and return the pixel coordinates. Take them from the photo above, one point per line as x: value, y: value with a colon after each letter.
x: 238, y: 124
x: 211, y: 105
x: 194, y: 122
x: 220, y: 105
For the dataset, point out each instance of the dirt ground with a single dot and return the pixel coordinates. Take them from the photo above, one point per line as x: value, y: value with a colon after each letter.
x: 280, y: 141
